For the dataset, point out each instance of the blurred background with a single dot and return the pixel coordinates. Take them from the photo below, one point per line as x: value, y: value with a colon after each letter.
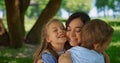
x: 21, y: 22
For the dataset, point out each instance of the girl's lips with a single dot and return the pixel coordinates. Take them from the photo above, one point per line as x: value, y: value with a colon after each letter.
x: 62, y: 35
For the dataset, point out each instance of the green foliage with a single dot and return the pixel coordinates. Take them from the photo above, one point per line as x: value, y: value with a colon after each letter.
x: 2, y: 4
x: 111, y: 4
x: 101, y: 3
x: 114, y: 23
x: 42, y: 3
x: 36, y: 7
x: 77, y: 5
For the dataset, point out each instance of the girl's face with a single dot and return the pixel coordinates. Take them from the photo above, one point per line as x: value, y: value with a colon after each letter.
x: 73, y: 32
x: 56, y: 33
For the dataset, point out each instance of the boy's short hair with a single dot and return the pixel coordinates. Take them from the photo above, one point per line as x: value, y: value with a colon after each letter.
x: 95, y: 31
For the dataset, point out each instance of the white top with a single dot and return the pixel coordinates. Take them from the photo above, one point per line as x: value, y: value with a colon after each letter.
x: 83, y: 55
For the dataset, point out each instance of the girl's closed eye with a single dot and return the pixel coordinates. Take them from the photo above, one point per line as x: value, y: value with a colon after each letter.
x: 55, y: 30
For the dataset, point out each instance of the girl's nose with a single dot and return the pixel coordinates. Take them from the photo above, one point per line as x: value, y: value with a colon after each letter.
x: 61, y: 30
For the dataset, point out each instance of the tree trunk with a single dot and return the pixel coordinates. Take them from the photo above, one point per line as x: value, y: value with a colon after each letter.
x: 23, y: 7
x: 14, y: 23
x: 51, y: 9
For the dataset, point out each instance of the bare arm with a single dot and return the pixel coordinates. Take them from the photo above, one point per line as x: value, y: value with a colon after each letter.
x: 65, y: 58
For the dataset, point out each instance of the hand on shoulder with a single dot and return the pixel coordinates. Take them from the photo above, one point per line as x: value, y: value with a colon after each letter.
x: 65, y: 58
x: 40, y: 61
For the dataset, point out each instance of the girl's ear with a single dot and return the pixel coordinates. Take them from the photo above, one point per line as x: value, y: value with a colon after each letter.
x: 48, y: 39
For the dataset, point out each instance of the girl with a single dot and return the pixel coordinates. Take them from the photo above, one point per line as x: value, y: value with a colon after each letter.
x: 53, y: 38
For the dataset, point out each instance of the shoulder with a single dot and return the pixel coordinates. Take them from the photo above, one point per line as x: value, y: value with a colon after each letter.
x: 76, y: 48
x: 47, y: 57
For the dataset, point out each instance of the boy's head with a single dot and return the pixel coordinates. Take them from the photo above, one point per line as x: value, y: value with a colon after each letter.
x: 96, y: 34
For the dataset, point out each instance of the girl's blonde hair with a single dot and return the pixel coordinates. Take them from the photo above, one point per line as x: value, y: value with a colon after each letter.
x: 44, y: 44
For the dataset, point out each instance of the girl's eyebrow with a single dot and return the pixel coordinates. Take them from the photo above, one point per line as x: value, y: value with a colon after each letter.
x: 53, y: 27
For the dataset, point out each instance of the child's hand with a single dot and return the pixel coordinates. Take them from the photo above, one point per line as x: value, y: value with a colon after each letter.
x: 40, y: 61
x: 65, y: 58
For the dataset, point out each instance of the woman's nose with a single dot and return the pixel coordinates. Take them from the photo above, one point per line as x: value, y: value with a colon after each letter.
x: 72, y: 34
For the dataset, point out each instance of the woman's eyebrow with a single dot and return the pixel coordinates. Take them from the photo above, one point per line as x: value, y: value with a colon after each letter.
x: 78, y: 27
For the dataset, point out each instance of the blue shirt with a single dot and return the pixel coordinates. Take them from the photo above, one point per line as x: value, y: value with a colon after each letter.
x: 47, y: 57
x: 83, y: 55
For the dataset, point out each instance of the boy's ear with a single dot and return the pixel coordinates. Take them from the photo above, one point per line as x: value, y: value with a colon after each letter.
x: 96, y: 45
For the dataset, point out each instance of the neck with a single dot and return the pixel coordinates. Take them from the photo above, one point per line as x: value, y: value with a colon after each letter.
x: 58, y: 47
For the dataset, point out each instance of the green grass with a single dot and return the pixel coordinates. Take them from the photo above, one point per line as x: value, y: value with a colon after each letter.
x: 21, y: 55
x: 15, y: 60
x: 114, y: 48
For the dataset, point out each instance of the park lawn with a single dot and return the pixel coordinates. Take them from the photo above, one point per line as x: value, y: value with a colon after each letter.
x: 114, y: 47
x: 21, y: 55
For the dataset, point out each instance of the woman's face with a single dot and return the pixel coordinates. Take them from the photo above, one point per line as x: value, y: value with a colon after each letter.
x: 73, y: 32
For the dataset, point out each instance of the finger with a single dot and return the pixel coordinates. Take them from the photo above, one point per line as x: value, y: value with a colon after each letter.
x: 40, y: 61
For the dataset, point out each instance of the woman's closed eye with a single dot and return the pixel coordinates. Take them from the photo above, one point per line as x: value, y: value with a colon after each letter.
x: 78, y: 30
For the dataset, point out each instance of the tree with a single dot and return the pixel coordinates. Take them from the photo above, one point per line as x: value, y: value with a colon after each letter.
x: 36, y: 7
x: 49, y: 11
x: 77, y: 5
x: 4, y: 37
x: 101, y: 5
x: 2, y: 4
x: 15, y: 10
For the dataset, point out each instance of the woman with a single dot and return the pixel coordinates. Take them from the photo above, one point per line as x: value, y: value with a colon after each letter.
x: 73, y: 27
